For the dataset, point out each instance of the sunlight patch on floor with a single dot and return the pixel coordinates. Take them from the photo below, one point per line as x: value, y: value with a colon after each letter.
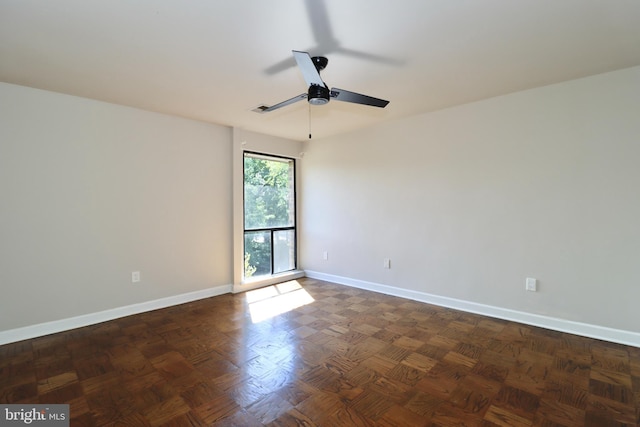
x: 268, y: 302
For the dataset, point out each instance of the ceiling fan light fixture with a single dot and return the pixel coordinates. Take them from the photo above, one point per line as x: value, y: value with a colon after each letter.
x: 318, y: 95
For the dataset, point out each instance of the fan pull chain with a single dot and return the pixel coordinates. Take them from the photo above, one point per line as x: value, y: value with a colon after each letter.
x: 309, y: 121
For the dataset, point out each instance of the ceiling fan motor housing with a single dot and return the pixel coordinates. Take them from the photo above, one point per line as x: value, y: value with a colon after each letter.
x: 318, y: 95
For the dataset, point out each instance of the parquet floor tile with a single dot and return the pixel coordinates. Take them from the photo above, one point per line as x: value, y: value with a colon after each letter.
x: 348, y: 358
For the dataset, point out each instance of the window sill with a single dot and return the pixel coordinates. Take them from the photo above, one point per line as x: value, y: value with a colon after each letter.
x: 259, y: 282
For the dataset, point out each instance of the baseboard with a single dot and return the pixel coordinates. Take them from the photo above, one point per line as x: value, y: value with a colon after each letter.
x: 577, y: 328
x: 41, y: 329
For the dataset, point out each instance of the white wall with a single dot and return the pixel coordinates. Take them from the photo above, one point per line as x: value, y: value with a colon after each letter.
x: 467, y: 202
x: 90, y: 192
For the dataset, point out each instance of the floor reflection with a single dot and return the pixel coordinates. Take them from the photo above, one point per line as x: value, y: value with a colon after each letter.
x: 268, y: 302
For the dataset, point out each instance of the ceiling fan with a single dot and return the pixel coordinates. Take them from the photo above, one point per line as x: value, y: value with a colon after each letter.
x: 318, y: 92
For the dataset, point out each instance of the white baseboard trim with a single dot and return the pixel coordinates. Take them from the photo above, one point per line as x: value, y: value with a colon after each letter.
x: 577, y: 328
x: 41, y: 329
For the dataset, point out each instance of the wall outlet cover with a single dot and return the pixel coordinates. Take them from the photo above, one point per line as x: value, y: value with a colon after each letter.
x: 531, y: 284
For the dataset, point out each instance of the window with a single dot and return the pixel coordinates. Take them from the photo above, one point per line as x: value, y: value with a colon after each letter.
x: 269, y: 215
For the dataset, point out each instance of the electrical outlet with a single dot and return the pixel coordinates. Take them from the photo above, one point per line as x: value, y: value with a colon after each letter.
x: 386, y: 263
x: 135, y: 277
x: 531, y: 284
x: 325, y: 255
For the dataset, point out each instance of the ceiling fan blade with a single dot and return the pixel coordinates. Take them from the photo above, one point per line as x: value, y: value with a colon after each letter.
x: 285, y: 64
x: 356, y: 98
x: 369, y: 56
x: 320, y: 24
x: 309, y: 72
x: 263, y: 109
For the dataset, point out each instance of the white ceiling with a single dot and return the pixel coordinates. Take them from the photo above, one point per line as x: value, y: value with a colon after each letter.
x: 215, y: 60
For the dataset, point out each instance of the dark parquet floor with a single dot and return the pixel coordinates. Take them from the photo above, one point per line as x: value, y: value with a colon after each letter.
x: 349, y: 358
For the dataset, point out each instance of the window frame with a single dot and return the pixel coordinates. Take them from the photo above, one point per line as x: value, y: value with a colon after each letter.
x: 272, y: 230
